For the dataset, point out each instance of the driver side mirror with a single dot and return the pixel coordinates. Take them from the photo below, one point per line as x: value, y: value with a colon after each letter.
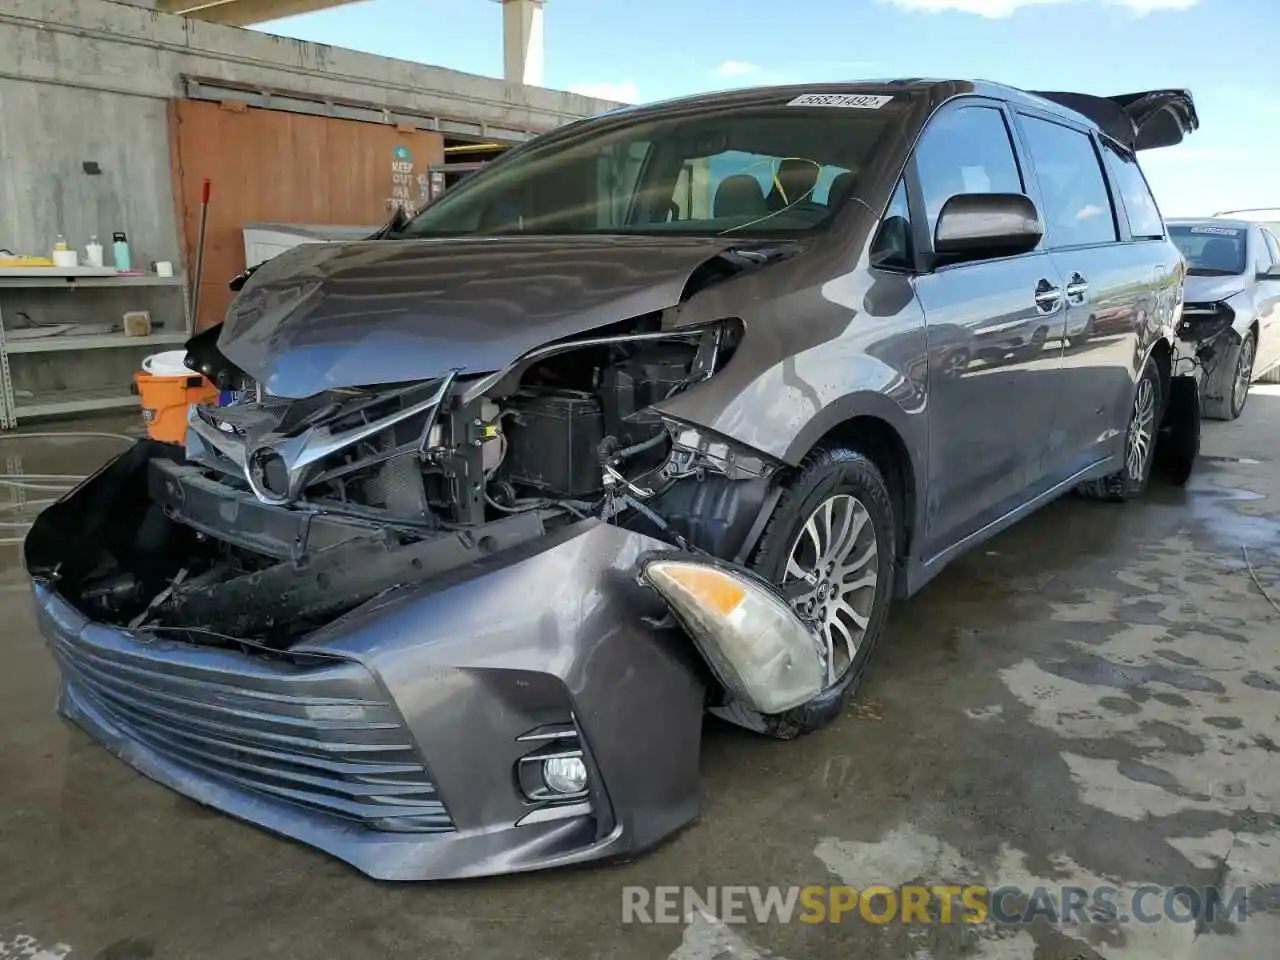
x: 980, y: 226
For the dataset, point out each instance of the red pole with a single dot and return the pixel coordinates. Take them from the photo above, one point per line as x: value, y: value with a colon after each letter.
x: 204, y: 219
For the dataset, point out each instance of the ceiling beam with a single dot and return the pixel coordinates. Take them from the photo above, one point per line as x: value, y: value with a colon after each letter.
x: 244, y: 13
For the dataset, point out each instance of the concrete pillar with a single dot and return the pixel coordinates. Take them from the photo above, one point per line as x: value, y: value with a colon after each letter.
x: 522, y: 41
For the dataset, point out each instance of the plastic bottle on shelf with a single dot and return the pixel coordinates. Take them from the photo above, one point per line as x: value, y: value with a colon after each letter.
x: 120, y: 250
x: 93, y: 252
x: 63, y: 256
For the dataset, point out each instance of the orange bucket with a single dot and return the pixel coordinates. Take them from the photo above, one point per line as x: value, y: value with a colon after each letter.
x: 166, y: 402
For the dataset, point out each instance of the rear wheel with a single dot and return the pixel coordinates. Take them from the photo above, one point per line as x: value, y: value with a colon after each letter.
x: 1035, y: 346
x: 1139, y: 443
x: 830, y: 547
x: 1084, y: 336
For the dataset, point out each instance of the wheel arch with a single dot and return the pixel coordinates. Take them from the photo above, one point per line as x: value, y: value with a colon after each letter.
x: 875, y: 435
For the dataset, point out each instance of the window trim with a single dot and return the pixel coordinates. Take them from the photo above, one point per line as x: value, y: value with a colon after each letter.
x: 1122, y: 234
x: 921, y: 230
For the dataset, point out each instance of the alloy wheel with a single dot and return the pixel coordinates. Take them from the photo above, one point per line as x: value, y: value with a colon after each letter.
x: 1244, y: 373
x: 835, y: 556
x: 1141, y: 430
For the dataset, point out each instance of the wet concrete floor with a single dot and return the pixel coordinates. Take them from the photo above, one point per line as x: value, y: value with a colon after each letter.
x: 1092, y: 699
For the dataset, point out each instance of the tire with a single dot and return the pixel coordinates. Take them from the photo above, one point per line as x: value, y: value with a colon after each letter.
x: 1178, y: 444
x: 855, y: 490
x: 1145, y: 416
x: 1242, y: 376
x: 1084, y: 336
x: 1237, y: 388
x: 1032, y: 349
x: 955, y: 363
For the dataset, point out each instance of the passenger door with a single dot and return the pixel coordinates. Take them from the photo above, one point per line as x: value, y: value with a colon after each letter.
x: 1267, y: 302
x: 992, y: 328
x: 1110, y: 286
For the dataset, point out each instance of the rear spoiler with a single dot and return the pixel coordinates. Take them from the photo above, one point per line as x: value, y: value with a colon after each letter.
x: 1141, y: 121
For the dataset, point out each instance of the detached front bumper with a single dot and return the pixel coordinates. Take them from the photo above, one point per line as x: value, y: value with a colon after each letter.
x: 394, y: 739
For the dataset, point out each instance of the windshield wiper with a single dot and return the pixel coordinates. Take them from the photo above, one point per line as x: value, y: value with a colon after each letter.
x: 1210, y: 272
x: 392, y: 227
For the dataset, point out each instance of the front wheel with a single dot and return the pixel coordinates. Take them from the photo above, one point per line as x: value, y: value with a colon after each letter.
x: 1084, y: 336
x: 1139, y: 443
x: 830, y: 547
x: 1242, y: 377
x: 1235, y: 392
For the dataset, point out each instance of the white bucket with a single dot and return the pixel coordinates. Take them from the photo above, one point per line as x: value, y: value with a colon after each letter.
x: 167, y: 364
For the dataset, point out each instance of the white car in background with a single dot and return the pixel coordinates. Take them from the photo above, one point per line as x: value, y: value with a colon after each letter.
x: 1268, y: 217
x: 1231, y: 308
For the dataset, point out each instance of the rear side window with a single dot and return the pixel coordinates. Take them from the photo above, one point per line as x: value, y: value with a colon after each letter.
x: 1272, y: 245
x: 1145, y: 222
x: 1077, y: 206
x: 1263, y: 258
x: 965, y: 150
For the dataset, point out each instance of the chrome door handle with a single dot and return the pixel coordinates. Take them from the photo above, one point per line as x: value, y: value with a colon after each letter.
x: 1078, y: 288
x: 1047, y: 296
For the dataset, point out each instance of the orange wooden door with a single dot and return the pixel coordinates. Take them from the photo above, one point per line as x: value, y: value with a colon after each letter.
x: 277, y: 167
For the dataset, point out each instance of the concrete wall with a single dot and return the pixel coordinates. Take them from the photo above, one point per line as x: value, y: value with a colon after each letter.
x: 47, y: 134
x: 88, y: 80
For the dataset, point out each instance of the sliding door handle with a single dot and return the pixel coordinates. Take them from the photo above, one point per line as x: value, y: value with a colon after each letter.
x: 1077, y: 286
x: 1047, y: 296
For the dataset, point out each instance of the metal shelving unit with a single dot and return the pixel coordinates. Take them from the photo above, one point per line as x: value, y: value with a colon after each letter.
x: 13, y: 407
x: 95, y: 342
x: 73, y: 401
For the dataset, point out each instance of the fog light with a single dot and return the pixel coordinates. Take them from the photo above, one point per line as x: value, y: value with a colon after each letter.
x: 567, y: 775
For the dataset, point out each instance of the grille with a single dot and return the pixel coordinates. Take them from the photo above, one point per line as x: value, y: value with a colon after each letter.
x: 317, y: 737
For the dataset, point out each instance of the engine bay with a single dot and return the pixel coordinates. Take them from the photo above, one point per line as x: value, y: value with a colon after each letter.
x: 283, y: 514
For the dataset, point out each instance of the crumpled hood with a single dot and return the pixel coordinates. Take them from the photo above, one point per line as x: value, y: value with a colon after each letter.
x: 1211, y: 289
x: 324, y: 316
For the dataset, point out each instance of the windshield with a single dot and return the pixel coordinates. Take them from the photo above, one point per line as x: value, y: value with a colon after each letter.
x: 1211, y: 251
x: 759, y: 171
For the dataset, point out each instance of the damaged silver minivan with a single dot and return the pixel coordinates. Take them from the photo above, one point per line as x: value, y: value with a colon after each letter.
x: 653, y: 416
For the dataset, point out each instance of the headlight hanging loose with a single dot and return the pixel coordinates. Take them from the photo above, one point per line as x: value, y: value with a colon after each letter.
x: 752, y: 640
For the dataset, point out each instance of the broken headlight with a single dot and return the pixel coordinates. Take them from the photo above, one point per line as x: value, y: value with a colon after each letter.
x: 753, y: 642
x: 1202, y: 322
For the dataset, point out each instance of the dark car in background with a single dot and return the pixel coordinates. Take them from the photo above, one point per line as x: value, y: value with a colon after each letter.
x: 1231, y: 312
x: 652, y: 416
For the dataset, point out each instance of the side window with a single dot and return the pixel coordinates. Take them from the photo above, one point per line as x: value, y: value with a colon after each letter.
x: 892, y: 247
x: 1264, y: 258
x: 1273, y: 245
x: 1145, y: 222
x: 1077, y: 207
x: 965, y: 150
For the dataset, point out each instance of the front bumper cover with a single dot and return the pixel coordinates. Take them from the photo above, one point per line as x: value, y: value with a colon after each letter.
x: 393, y: 747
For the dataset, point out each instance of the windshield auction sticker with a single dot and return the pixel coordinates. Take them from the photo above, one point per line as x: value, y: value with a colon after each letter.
x: 851, y: 101
x: 1217, y: 231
